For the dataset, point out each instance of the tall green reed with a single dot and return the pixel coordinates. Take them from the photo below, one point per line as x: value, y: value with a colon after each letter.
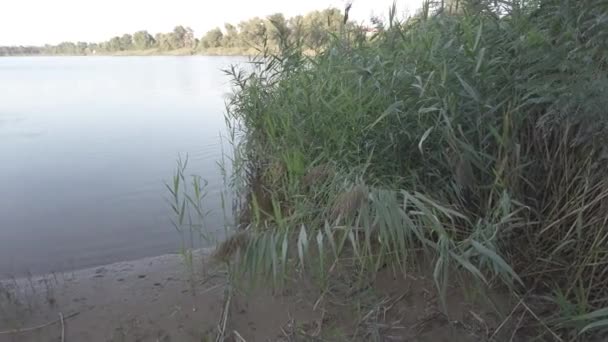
x: 187, y: 197
x: 473, y: 135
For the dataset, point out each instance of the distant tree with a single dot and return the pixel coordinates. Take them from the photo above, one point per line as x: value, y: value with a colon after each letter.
x: 126, y: 42
x: 188, y: 39
x: 143, y: 40
x: 313, y: 30
x: 81, y: 48
x: 157, y: 38
x: 231, y: 37
x: 319, y: 25
x: 177, y: 38
x: 163, y: 41
x: 92, y: 49
x: 21, y: 50
x: 66, y: 48
x: 114, y: 44
x: 104, y: 46
x: 252, y: 32
x: 212, y: 39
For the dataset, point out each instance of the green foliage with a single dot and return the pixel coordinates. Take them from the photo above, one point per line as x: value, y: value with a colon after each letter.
x: 126, y: 42
x: 252, y: 31
x: 181, y: 37
x: 212, y: 39
x: 475, y: 133
x: 163, y: 41
x: 142, y: 40
x: 314, y: 30
x: 320, y: 25
x: 20, y: 50
x: 114, y: 44
x: 186, y: 197
x: 230, y: 38
x: 178, y: 37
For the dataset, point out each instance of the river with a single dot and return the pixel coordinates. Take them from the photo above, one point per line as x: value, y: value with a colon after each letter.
x: 86, y: 146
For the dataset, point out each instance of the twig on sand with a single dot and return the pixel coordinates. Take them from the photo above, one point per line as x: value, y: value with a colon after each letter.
x: 19, y: 331
x: 241, y: 339
x: 557, y: 338
x: 221, y: 327
x: 506, y: 320
x: 62, y: 327
x: 528, y: 309
x: 521, y: 318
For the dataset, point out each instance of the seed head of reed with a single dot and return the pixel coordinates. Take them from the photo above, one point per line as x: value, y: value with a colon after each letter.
x: 347, y: 204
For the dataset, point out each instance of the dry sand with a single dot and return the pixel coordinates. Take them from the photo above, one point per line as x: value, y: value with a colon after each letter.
x: 150, y: 299
x: 158, y: 299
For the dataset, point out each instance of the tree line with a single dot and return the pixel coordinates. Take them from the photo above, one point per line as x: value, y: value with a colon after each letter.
x: 313, y: 29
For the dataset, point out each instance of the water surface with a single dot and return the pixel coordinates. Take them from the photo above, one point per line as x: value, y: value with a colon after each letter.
x: 86, y: 144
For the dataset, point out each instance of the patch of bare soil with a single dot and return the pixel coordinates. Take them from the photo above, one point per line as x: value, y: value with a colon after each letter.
x: 389, y: 308
x: 159, y: 299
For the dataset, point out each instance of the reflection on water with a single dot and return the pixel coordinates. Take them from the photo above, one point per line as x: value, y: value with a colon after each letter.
x: 85, y: 146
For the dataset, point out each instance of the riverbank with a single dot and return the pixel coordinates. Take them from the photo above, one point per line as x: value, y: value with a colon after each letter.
x: 220, y: 51
x: 151, y: 299
x: 160, y: 299
x: 183, y: 52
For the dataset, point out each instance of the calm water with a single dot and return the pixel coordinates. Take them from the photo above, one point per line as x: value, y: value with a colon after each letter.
x: 86, y: 145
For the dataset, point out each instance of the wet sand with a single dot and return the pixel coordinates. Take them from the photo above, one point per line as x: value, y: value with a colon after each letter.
x: 161, y: 299
x: 152, y: 299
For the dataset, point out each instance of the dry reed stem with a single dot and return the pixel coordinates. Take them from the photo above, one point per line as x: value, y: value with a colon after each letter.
x: 221, y: 326
x: 348, y: 203
x: 318, y: 174
x: 228, y: 248
x: 19, y: 331
x: 62, y: 327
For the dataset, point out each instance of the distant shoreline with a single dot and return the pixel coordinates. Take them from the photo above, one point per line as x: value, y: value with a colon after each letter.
x: 154, y: 53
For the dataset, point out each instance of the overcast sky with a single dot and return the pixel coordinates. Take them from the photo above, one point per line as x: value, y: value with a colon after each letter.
x: 36, y: 22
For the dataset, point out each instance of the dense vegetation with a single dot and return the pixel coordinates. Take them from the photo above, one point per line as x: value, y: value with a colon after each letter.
x: 313, y: 29
x: 474, y: 131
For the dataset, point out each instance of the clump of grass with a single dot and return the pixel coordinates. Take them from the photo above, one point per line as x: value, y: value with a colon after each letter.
x: 186, y: 198
x: 479, y: 132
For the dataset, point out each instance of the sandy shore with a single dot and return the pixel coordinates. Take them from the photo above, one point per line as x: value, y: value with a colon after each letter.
x: 143, y: 300
x: 152, y: 299
x: 160, y: 299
